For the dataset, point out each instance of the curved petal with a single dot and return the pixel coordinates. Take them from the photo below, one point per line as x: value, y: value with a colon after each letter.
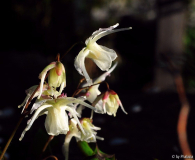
x: 85, y: 104
x: 104, y: 75
x: 122, y: 107
x: 109, y: 51
x: 101, y: 30
x: 36, y: 114
x: 74, y: 115
x: 80, y: 64
x: 73, y: 132
x: 29, y: 92
x: 101, y: 57
x: 37, y: 105
x: 43, y: 74
x: 106, y: 32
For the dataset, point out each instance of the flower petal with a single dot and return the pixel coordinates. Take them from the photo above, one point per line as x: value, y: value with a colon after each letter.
x: 43, y: 74
x: 36, y: 114
x: 56, y: 121
x: 74, y: 115
x: 80, y: 64
x: 101, y: 57
x: 102, y: 30
x: 109, y: 31
x: 104, y: 75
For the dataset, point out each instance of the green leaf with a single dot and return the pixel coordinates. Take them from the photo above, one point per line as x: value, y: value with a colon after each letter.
x: 94, y: 154
x: 85, y: 148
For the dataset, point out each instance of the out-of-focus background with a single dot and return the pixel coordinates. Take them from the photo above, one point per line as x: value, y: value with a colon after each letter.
x: 33, y: 32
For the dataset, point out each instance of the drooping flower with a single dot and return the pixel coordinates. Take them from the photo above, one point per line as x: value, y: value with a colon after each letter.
x: 89, y: 136
x: 56, y: 77
x: 57, y: 119
x: 101, y: 55
x: 110, y: 102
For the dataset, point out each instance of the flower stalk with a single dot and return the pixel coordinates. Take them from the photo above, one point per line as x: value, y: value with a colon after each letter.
x: 183, y: 117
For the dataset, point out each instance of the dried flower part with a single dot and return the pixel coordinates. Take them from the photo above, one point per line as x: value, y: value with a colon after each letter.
x: 101, y: 55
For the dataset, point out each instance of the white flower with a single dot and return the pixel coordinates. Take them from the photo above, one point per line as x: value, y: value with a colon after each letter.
x: 57, y: 119
x: 101, y: 55
x: 90, y: 131
x: 56, y: 77
x: 89, y: 136
x: 110, y: 102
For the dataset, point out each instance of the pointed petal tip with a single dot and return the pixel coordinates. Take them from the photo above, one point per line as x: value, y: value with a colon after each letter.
x: 116, y: 25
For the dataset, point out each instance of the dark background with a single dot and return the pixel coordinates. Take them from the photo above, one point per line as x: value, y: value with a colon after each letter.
x: 33, y: 32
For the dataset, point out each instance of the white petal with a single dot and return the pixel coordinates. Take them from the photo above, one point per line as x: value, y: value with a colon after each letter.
x: 80, y: 64
x: 62, y: 87
x: 36, y: 114
x: 29, y: 92
x: 85, y: 104
x: 93, y: 93
x: 74, y: 115
x: 122, y: 107
x: 101, y: 57
x: 42, y: 76
x: 104, y: 75
x: 109, y: 51
x: 37, y: 105
x: 56, y: 121
x: 102, y: 30
x: 104, y: 33
x: 99, y: 138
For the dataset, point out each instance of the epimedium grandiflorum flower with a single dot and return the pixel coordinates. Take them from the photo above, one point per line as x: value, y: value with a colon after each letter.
x: 56, y: 77
x: 89, y: 136
x: 110, y: 102
x: 101, y: 55
x: 57, y: 119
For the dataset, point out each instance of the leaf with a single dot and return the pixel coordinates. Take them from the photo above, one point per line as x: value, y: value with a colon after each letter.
x: 94, y: 154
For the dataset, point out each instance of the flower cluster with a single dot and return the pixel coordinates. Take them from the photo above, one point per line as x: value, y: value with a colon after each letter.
x: 52, y: 102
